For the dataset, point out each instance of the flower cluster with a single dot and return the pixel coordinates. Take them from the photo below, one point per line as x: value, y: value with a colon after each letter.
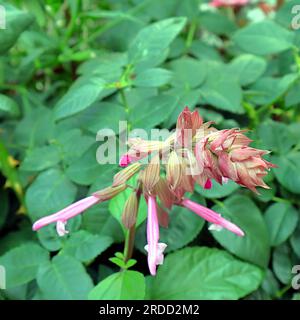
x: 195, y: 153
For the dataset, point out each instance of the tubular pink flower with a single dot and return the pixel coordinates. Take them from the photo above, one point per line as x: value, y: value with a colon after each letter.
x: 211, y: 216
x: 228, y: 3
x: 152, y: 235
x: 62, y: 216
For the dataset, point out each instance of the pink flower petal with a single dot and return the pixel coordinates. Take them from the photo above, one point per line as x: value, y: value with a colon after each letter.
x: 66, y: 213
x: 211, y: 216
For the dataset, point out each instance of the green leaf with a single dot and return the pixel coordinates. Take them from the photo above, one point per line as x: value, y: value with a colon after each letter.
x: 295, y: 240
x: 254, y: 246
x: 123, y: 285
x: 51, y: 191
x: 247, y: 68
x: 293, y: 95
x: 153, y: 77
x: 85, y: 246
x: 116, y: 204
x: 288, y: 170
x: 284, y: 14
x: 16, y: 22
x: 22, y: 263
x: 282, y: 264
x: 203, y: 273
x: 73, y: 144
x: 64, y: 278
x: 276, y: 136
x: 217, y: 23
x: 281, y: 220
x: 8, y: 105
x: 221, y: 90
x: 41, y: 158
x: 102, y: 115
x: 87, y: 170
x: 149, y: 115
x: 81, y: 95
x: 186, y: 98
x: 188, y: 73
x: 49, y: 238
x: 151, y: 42
x: 98, y: 220
x: 36, y: 128
x: 263, y: 38
x: 267, y: 90
x: 217, y: 190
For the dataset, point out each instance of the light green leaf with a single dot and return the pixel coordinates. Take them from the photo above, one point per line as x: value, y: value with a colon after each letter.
x: 247, y: 68
x: 276, y: 136
x: 263, y: 38
x: 281, y: 220
x: 203, y: 273
x: 8, y: 105
x: 288, y: 170
x: 87, y: 170
x: 116, y: 204
x: 188, y: 73
x: 85, y: 246
x: 64, y: 278
x: 98, y: 220
x: 267, y: 90
x: 282, y: 263
x: 81, y: 95
x: 16, y: 22
x: 51, y: 191
x: 221, y: 90
x: 123, y: 285
x: 22, y: 263
x: 149, y: 114
x: 151, y: 42
x: 153, y: 77
x: 254, y: 246
x: 41, y: 158
x: 295, y: 240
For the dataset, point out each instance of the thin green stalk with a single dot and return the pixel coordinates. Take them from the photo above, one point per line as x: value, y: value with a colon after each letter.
x: 129, y: 244
x: 191, y: 34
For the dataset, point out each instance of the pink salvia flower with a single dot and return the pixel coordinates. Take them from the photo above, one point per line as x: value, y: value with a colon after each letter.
x: 211, y: 216
x: 228, y: 3
x: 62, y: 216
x: 154, y: 248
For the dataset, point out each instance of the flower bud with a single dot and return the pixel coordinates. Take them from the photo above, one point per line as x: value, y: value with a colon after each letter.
x: 110, y: 192
x: 124, y: 175
x: 164, y: 194
x: 174, y: 169
x: 151, y: 174
x: 130, y: 211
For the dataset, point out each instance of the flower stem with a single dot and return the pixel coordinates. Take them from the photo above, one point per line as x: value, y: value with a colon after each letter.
x: 130, y: 234
x: 191, y: 34
x: 129, y: 244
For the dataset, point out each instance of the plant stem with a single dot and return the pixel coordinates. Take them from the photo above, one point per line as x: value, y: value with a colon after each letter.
x: 129, y: 243
x: 191, y: 34
x: 129, y: 238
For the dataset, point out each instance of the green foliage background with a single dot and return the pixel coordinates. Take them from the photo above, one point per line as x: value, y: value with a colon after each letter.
x: 69, y: 68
